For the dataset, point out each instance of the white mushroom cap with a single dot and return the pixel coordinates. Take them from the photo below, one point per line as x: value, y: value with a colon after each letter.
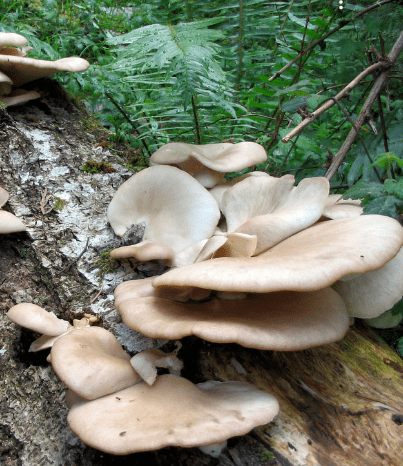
x: 22, y: 70
x: 39, y: 320
x: 272, y: 209
x: 337, y: 207
x: 145, y: 251
x: 19, y: 97
x: 92, y: 363
x: 309, y: 260
x: 133, y: 289
x: 172, y: 411
x: 9, y: 223
x: 13, y: 39
x: 223, y: 157
x: 174, y: 206
x: 146, y: 362
x: 283, y: 321
x: 4, y: 196
x: 5, y: 84
x: 370, y: 294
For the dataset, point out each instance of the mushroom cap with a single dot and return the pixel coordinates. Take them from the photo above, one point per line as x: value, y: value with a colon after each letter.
x: 146, y: 362
x: 19, y: 97
x: 370, y: 294
x: 9, y: 223
x: 13, y: 39
x: 223, y: 157
x: 36, y: 318
x: 133, y: 289
x: 272, y: 209
x: 337, y: 207
x: 145, y: 251
x: 283, y: 321
x: 173, y: 411
x: 175, y: 208
x: 4, y: 196
x: 5, y: 84
x: 22, y: 70
x: 309, y: 260
x: 92, y: 363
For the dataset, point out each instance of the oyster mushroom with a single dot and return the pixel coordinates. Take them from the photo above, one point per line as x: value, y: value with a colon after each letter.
x: 172, y: 411
x: 175, y: 208
x: 209, y: 162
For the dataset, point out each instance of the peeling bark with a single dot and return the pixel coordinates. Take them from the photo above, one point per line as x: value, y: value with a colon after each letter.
x: 341, y: 404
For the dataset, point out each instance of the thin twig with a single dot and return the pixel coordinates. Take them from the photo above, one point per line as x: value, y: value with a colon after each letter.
x: 126, y: 117
x: 44, y: 200
x: 321, y: 39
x: 97, y: 296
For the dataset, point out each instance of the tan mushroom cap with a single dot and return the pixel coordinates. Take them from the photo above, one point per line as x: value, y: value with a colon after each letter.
x: 145, y: 251
x: 146, y: 362
x: 9, y: 223
x: 309, y: 260
x: 337, y: 207
x: 4, y: 196
x: 173, y: 411
x: 19, y: 52
x: 223, y: 157
x: 92, y: 363
x: 272, y: 209
x: 22, y: 70
x: 13, y: 39
x: 5, y: 84
x: 283, y: 321
x: 133, y: 289
x: 36, y: 318
x: 370, y: 294
x: 175, y: 208
x: 228, y: 245
x: 19, y: 97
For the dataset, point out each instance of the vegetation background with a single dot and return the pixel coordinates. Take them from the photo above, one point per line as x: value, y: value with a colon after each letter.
x: 202, y: 72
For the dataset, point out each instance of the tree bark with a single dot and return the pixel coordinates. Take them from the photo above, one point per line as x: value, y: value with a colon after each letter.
x: 341, y: 404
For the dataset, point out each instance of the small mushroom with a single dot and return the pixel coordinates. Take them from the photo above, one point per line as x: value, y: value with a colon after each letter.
x: 19, y: 97
x: 173, y: 411
x: 92, y: 363
x: 145, y: 251
x: 146, y: 362
x: 36, y: 318
x: 9, y: 223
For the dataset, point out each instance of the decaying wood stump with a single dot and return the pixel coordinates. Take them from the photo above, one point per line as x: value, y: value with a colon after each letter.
x: 341, y: 404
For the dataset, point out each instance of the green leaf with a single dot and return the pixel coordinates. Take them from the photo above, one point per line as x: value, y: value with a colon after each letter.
x: 386, y: 160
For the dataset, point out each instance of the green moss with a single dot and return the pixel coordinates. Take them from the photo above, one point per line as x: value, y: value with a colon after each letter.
x: 105, y: 263
x: 59, y: 203
x: 96, y: 167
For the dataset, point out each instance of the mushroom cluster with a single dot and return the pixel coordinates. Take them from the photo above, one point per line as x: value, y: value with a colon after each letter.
x: 286, y: 268
x: 9, y: 223
x: 16, y: 69
x: 119, y: 405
